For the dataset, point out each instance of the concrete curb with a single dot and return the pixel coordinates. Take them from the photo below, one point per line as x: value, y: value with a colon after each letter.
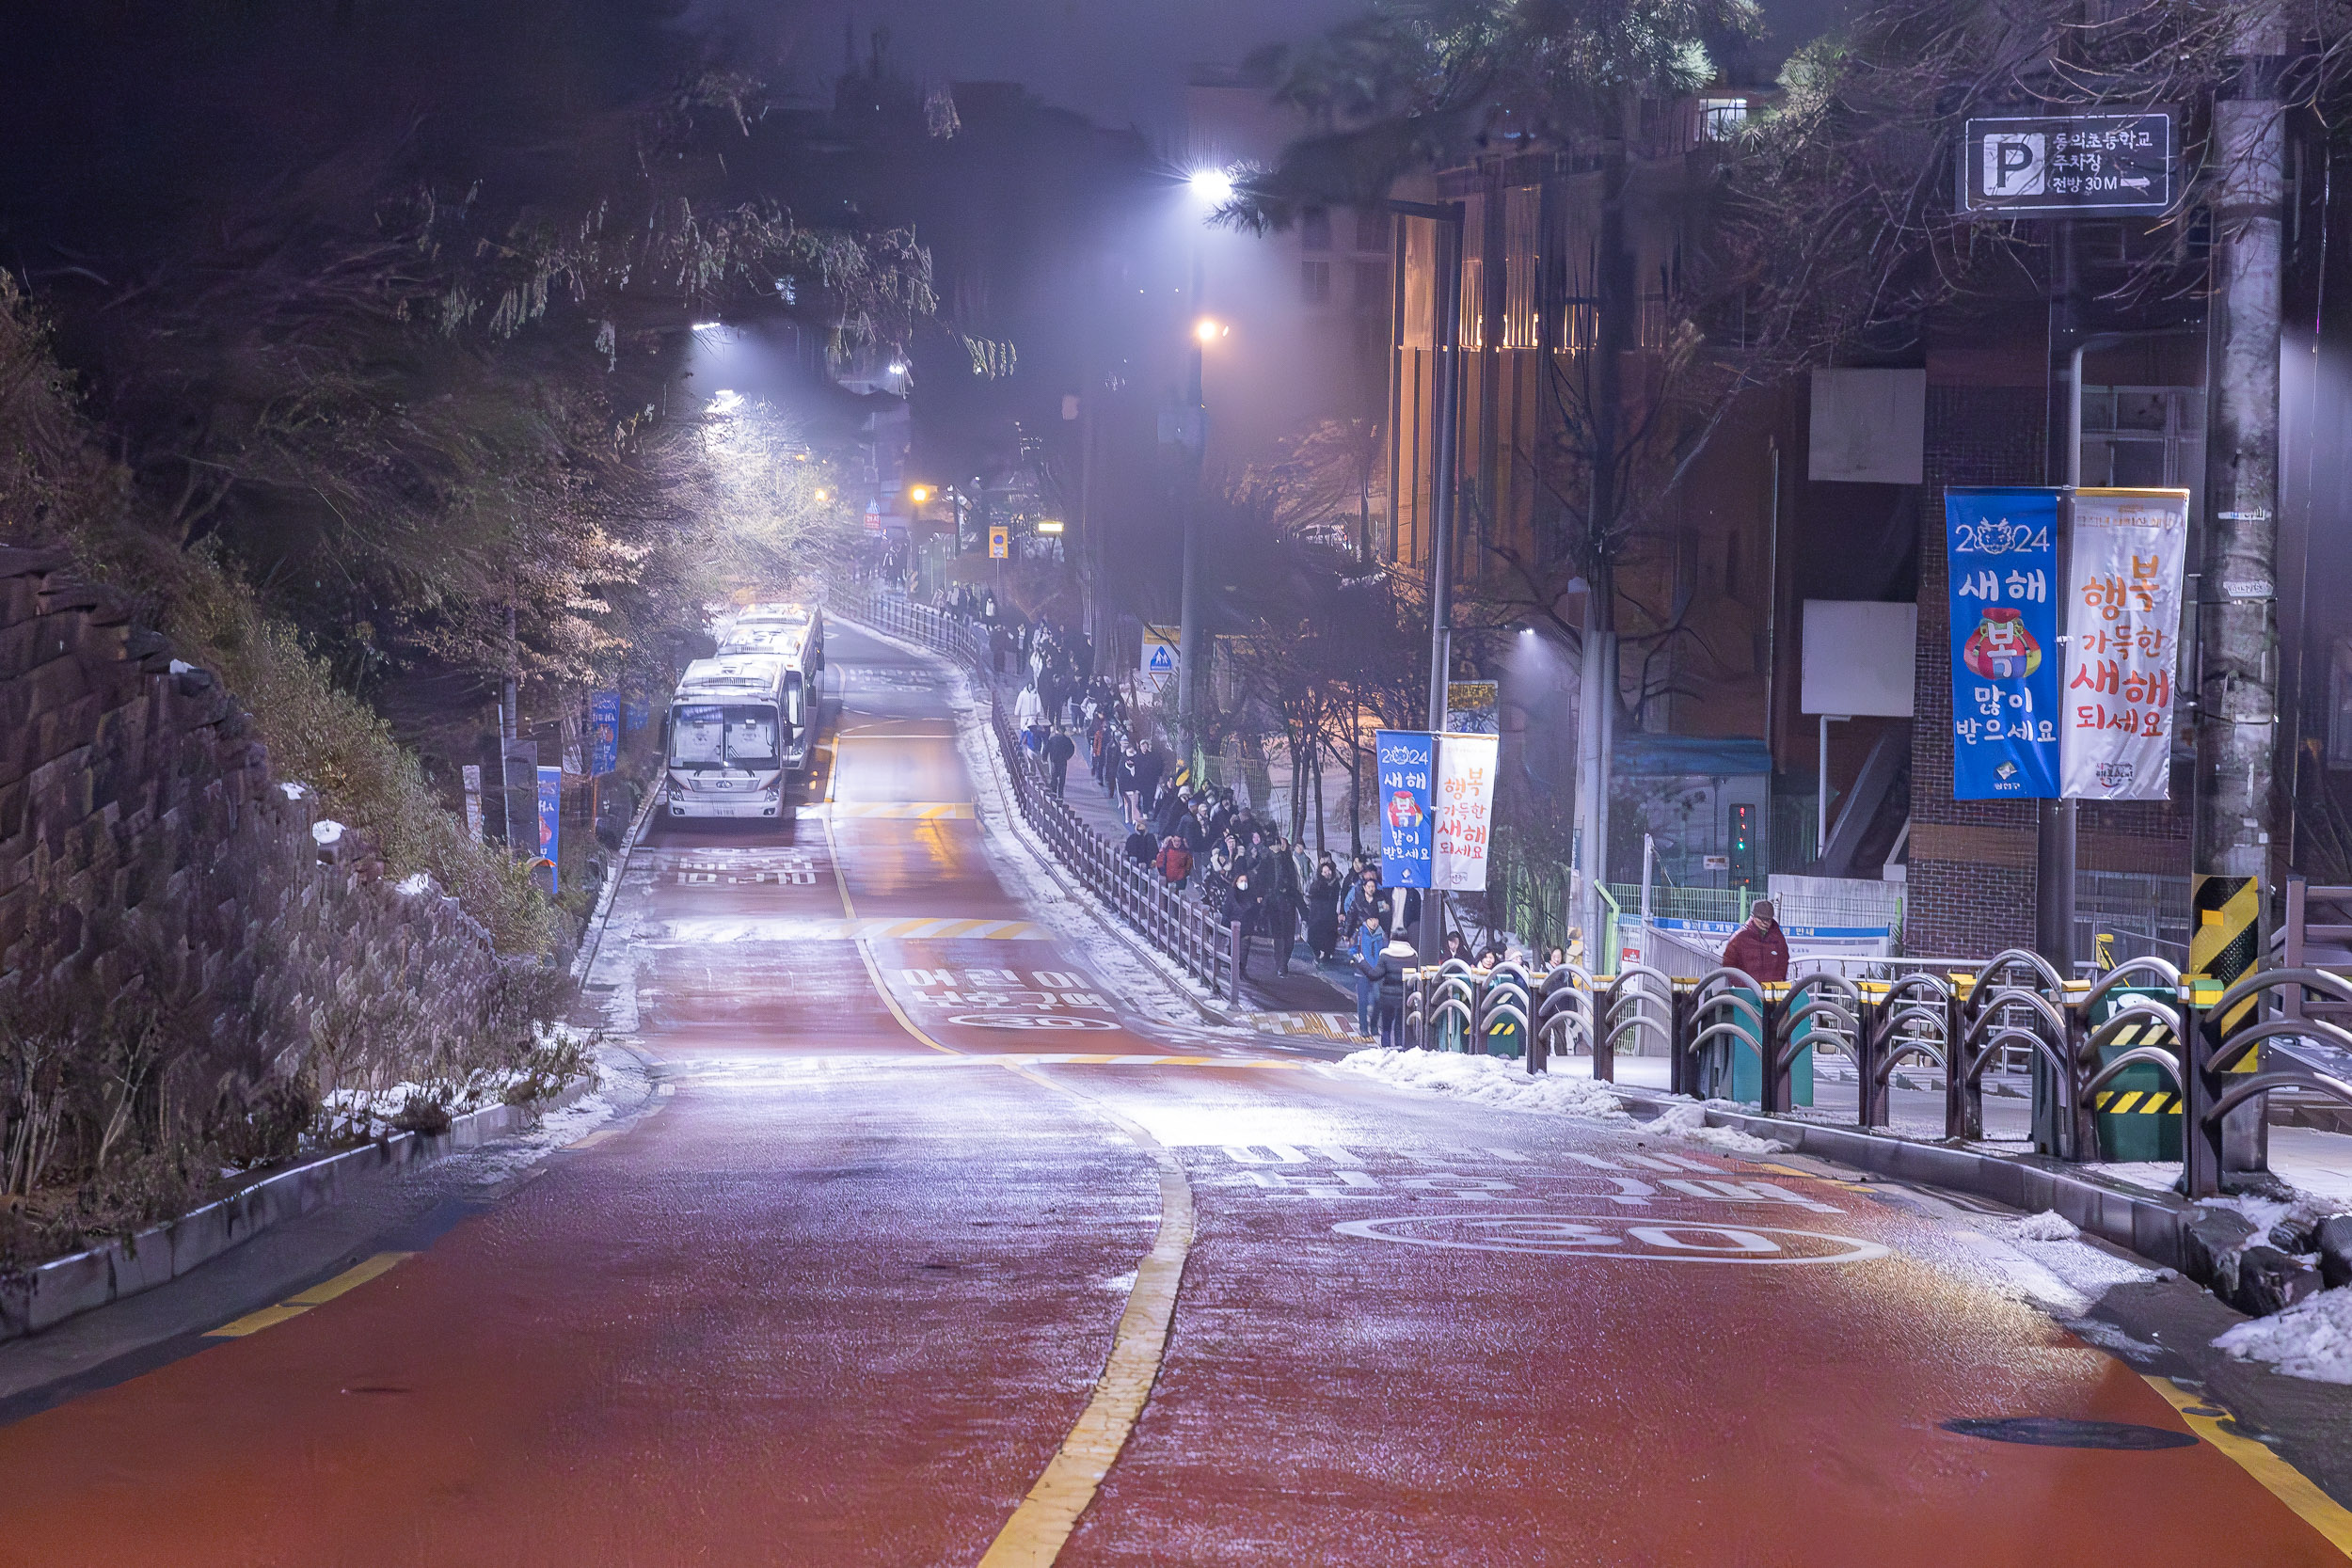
x: 84, y: 1281
x: 2148, y: 1224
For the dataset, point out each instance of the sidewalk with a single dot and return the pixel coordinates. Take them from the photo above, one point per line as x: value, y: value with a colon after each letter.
x: 1307, y: 988
x: 2318, y: 1161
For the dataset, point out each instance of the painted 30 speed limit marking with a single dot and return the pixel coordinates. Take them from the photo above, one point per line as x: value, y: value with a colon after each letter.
x: 1616, y: 1237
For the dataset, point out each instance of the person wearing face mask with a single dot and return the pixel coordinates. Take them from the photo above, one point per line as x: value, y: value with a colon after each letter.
x: 1243, y: 904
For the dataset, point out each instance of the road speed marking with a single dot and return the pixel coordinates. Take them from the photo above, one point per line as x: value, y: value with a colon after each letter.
x: 1615, y: 1237
x: 1049, y: 1022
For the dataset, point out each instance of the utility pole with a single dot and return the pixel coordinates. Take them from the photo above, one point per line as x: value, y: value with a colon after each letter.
x: 1192, y: 433
x: 1445, y: 485
x: 2238, y: 677
x: 1597, y: 715
x: 2055, y: 820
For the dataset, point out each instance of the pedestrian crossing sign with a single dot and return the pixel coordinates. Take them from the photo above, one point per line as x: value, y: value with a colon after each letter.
x: 1162, y: 654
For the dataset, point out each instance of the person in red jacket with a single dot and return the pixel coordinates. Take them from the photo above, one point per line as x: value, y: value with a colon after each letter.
x: 1759, y: 949
x: 1175, y: 861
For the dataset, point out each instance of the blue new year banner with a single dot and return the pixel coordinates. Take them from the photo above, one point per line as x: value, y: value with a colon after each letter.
x: 2001, y: 546
x: 604, y: 734
x: 1403, y: 761
x: 551, y: 819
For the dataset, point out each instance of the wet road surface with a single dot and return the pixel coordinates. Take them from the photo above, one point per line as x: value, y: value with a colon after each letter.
x: 838, y: 1291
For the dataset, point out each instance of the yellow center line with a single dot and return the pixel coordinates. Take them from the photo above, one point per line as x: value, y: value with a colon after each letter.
x: 317, y: 1295
x: 2281, y: 1479
x: 1033, y: 1537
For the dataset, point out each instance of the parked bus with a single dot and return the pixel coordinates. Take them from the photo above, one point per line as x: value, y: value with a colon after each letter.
x: 738, y: 730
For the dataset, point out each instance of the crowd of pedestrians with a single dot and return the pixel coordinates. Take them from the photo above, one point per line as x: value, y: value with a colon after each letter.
x: 1197, y: 837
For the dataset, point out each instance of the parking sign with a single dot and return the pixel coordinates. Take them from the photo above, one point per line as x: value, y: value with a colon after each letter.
x: 2049, y: 166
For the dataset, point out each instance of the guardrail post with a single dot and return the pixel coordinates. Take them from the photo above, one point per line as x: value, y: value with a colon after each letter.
x: 1956, y: 1021
x: 1870, y: 1045
x: 2202, y: 1144
x: 1773, y: 1095
x: 1682, y: 1014
x: 2082, y: 1063
x: 1604, y: 1051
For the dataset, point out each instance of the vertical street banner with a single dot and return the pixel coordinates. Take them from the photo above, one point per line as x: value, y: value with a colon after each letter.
x: 1404, y: 767
x: 2001, y: 546
x: 551, y: 819
x: 604, y: 734
x: 471, y: 774
x: 1464, y: 803
x: 2124, y: 617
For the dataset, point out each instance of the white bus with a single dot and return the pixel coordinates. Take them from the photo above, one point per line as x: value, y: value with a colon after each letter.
x: 737, y: 728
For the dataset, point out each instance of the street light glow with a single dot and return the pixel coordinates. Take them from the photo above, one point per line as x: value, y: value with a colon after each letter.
x: 1213, y: 185
x: 1209, y: 329
x: 919, y: 493
x: 1049, y: 526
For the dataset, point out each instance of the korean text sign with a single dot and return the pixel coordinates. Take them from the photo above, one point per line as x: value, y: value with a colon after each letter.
x: 1464, y: 802
x: 1406, y: 764
x: 604, y: 733
x: 2123, y: 622
x: 551, y: 820
x: 2000, y: 546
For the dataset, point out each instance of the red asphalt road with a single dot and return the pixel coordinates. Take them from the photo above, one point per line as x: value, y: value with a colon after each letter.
x: 841, y: 1298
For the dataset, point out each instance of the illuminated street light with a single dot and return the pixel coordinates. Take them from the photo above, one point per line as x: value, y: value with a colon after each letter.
x: 1213, y: 185
x: 1209, y: 329
x: 919, y: 493
x: 820, y: 495
x: 1049, y: 526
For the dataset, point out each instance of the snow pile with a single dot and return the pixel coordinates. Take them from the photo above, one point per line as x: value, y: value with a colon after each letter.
x: 2311, y: 1340
x: 327, y: 832
x: 2048, y: 1226
x: 295, y: 791
x: 1689, y: 1120
x: 1489, y: 1081
x: 414, y: 884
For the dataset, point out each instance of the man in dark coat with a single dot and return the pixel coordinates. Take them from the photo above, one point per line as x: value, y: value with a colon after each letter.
x: 1242, y: 906
x: 1759, y: 949
x: 1279, y: 875
x: 1142, y: 848
x: 1059, y: 748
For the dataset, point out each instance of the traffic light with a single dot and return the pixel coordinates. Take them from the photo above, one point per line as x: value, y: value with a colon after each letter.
x: 1744, y: 845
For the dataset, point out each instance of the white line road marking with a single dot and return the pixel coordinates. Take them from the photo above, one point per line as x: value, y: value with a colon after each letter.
x: 1611, y: 1237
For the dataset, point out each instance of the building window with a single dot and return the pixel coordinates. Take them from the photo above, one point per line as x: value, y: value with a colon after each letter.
x: 1720, y: 119
x: 1372, y: 289
x: 1314, y: 228
x: 1371, y: 231
x: 1314, y: 282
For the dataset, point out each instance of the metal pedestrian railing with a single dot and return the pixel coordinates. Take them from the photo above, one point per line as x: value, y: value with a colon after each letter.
x: 1205, y: 947
x: 2084, y: 1037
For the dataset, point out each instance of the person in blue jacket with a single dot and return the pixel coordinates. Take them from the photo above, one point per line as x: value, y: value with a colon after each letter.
x: 1365, y: 951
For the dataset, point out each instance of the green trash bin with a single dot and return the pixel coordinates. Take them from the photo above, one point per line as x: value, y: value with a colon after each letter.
x: 1747, y: 1066
x: 2137, y: 1113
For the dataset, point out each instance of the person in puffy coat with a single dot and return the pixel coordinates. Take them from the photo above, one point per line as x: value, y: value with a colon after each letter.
x: 1395, y: 959
x: 1175, y: 861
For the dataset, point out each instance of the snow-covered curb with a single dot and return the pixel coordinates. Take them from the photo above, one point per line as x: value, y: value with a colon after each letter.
x: 2312, y: 1339
x: 83, y: 1281
x: 1507, y: 1085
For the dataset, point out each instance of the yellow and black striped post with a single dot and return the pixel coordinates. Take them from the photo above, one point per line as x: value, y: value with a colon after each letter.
x: 2224, y: 947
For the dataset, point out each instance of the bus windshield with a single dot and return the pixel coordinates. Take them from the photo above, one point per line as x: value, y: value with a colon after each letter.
x: 708, y: 734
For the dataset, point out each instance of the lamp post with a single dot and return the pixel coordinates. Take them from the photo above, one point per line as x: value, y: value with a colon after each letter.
x: 1446, y: 425
x: 1214, y: 187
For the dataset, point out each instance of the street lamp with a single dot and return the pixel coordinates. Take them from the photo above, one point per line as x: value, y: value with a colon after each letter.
x: 919, y: 493
x: 1212, y: 185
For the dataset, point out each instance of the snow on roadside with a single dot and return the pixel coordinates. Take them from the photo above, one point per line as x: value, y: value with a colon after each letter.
x: 2048, y: 1226
x: 1489, y: 1081
x: 1689, y: 1120
x: 2312, y: 1339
